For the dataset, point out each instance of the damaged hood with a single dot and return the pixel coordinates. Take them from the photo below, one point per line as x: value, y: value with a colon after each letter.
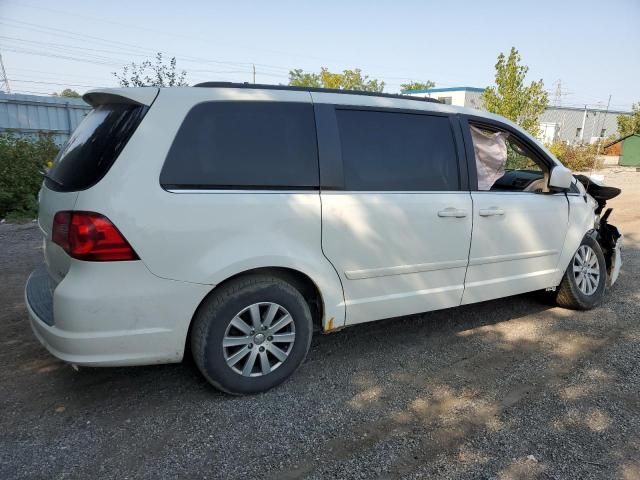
x: 600, y: 193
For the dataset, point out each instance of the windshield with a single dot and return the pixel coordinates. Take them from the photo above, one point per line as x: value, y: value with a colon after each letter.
x: 94, y: 146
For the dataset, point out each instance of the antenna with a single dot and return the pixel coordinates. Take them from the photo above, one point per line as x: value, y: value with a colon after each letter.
x: 4, y: 81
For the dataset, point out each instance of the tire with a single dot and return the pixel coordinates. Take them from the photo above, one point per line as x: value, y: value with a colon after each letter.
x: 583, y: 295
x: 236, y: 313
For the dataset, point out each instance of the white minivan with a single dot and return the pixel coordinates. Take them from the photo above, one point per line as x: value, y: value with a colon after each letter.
x: 236, y: 219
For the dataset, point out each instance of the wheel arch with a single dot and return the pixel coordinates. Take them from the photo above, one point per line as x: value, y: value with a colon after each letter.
x: 300, y: 280
x: 581, y: 222
x: 572, y: 242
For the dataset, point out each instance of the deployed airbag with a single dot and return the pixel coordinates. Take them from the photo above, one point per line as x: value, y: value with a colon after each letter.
x: 491, y: 156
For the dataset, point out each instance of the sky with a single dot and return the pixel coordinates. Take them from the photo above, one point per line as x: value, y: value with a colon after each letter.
x: 590, y: 48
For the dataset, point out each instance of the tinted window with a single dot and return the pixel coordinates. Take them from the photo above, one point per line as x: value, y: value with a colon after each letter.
x: 244, y: 144
x: 397, y: 151
x: 94, y: 146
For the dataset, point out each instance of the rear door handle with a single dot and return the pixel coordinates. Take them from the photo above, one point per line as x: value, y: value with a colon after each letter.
x: 490, y: 212
x: 452, y: 212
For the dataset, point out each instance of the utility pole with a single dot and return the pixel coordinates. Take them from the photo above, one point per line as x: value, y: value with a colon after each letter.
x: 584, y: 120
x: 253, y: 67
x: 4, y: 81
x: 602, y: 124
x: 595, y: 159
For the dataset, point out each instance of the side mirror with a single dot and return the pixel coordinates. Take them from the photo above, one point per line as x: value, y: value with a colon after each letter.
x: 561, y: 178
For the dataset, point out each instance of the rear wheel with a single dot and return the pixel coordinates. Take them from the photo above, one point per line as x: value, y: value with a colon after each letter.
x: 584, y: 282
x: 251, y: 334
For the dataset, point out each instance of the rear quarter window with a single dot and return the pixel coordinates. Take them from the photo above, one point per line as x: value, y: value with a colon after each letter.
x: 94, y: 146
x: 244, y: 145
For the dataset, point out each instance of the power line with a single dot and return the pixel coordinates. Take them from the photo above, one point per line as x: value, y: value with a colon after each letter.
x: 85, y: 54
x: 138, y: 27
x: 183, y: 57
x: 66, y: 33
x: 272, y: 70
x: 63, y: 57
x: 66, y: 46
x: 17, y: 80
x: 116, y: 44
x: 58, y: 75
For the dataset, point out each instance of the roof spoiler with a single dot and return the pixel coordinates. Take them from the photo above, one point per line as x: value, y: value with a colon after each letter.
x: 135, y: 96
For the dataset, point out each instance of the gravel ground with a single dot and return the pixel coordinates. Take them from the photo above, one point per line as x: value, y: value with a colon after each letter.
x: 512, y: 388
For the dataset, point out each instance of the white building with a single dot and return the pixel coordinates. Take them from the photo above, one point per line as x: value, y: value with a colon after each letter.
x: 459, y: 96
x: 568, y: 124
x: 578, y: 125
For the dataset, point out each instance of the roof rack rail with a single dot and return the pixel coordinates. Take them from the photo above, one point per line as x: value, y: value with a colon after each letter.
x: 311, y: 89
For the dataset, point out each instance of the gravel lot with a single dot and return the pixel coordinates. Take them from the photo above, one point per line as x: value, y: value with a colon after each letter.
x: 513, y: 388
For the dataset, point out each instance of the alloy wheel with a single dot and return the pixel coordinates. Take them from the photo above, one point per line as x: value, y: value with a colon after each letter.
x: 258, y: 339
x: 586, y: 270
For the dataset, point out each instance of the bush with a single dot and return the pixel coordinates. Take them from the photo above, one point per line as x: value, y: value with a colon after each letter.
x: 579, y: 158
x: 21, y: 161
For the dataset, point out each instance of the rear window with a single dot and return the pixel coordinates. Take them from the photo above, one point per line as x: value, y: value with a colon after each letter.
x: 94, y: 146
x: 392, y: 151
x: 244, y: 145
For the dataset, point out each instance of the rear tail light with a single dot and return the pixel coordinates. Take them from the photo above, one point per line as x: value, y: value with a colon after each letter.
x: 90, y: 236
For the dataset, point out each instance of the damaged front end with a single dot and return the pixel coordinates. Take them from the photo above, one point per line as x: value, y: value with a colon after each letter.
x: 608, y: 236
x: 610, y: 239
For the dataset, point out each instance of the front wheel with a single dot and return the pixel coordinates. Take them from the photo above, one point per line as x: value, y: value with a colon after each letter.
x: 584, y: 282
x: 251, y: 334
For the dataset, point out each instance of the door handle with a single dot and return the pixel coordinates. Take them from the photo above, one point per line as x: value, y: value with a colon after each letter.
x: 452, y: 212
x: 490, y: 212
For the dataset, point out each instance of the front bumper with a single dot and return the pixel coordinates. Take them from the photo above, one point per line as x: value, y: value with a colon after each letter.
x: 110, y: 314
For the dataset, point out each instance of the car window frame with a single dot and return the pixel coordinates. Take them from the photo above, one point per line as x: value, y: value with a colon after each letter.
x: 467, y: 120
x: 330, y: 147
x: 176, y: 188
x: 54, y: 183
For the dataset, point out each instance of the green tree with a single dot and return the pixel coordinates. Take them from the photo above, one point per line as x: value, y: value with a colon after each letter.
x: 405, y: 87
x: 67, y: 92
x: 299, y: 78
x: 629, y: 124
x: 578, y: 158
x: 347, y: 80
x: 511, y: 98
x: 21, y: 161
x: 152, y: 74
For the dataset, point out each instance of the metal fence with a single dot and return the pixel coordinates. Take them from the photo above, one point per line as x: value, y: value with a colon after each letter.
x: 34, y: 114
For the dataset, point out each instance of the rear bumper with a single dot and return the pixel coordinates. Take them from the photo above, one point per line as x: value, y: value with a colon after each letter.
x: 112, y: 314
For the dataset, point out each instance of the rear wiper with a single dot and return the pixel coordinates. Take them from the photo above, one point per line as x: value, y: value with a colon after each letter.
x: 46, y: 175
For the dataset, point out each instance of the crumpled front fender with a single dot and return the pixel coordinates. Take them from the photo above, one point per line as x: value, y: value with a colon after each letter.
x: 610, y: 239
